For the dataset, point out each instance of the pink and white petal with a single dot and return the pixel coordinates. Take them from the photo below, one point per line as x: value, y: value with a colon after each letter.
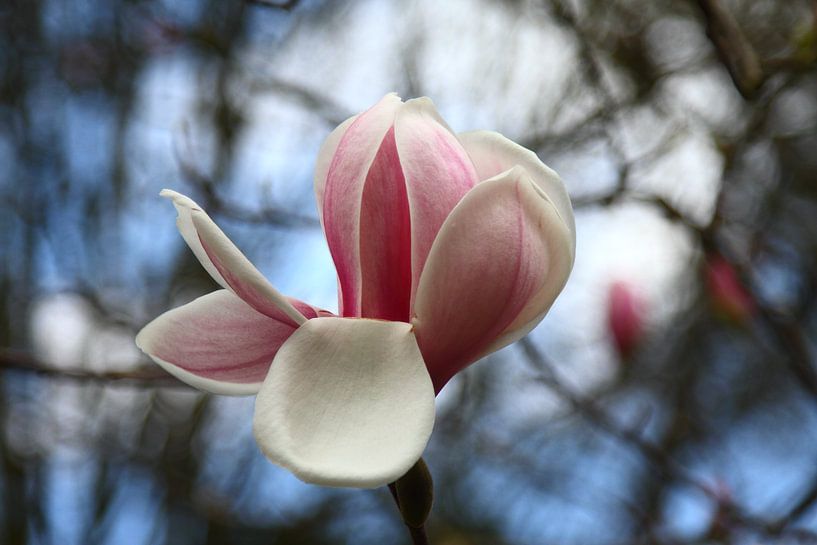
x: 437, y: 170
x: 184, y: 222
x: 307, y: 310
x: 347, y: 402
x: 497, y: 265
x: 324, y: 160
x: 493, y: 154
x: 385, y: 239
x: 216, y: 343
x: 225, y: 262
x: 343, y: 195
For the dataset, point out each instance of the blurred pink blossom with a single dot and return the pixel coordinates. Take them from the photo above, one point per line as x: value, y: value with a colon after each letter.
x: 625, y: 318
x: 729, y: 297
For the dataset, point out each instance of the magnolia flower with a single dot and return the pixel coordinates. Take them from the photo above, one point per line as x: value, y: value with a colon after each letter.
x: 447, y: 247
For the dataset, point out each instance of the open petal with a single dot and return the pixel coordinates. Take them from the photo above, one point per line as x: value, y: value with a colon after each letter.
x: 497, y: 265
x: 184, y: 222
x: 437, y: 170
x: 343, y: 195
x: 216, y: 343
x: 347, y: 402
x: 493, y: 154
x: 226, y: 264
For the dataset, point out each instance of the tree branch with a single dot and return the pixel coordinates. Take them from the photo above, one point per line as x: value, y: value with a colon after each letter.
x: 734, y: 50
x: 148, y: 376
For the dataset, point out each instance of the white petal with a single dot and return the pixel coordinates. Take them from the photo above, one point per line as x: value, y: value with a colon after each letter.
x: 347, y: 402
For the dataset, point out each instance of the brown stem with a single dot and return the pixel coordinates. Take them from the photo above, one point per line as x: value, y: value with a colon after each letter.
x: 733, y: 47
x: 418, y: 535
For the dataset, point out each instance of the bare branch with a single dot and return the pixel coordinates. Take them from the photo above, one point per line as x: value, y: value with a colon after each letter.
x: 148, y: 376
x: 734, y: 50
x: 287, y: 5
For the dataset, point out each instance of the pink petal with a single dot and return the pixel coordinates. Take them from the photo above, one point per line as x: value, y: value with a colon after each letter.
x: 495, y: 268
x: 493, y: 154
x: 216, y: 343
x: 385, y: 238
x: 437, y: 171
x: 226, y: 264
x: 324, y: 160
x: 343, y: 195
x: 307, y: 310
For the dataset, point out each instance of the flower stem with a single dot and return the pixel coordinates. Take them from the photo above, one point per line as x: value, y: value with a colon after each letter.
x: 418, y: 534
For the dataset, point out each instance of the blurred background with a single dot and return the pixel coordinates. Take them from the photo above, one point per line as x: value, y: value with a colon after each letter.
x: 669, y: 397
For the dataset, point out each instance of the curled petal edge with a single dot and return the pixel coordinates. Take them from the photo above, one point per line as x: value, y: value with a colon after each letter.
x: 225, y: 262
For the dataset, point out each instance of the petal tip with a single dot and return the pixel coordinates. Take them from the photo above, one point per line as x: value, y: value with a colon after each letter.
x: 421, y: 102
x: 423, y: 105
x: 179, y: 200
x: 139, y: 340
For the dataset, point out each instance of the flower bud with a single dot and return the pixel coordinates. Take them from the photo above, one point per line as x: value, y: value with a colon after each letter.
x: 625, y: 319
x: 730, y: 299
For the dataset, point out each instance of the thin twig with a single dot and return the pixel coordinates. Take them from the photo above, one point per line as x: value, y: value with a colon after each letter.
x: 288, y: 5
x: 661, y: 460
